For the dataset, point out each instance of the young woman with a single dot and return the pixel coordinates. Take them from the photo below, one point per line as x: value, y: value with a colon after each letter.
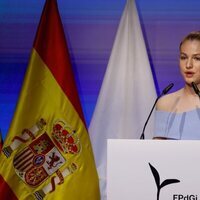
x: 178, y: 113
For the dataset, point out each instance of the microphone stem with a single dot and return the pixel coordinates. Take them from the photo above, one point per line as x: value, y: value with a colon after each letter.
x: 198, y: 94
x: 142, y: 135
x: 196, y: 89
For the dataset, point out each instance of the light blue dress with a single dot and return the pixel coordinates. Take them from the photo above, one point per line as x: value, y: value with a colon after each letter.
x: 178, y: 126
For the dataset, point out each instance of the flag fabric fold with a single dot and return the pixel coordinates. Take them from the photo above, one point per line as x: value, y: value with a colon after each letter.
x: 1, y: 140
x: 47, y: 153
x: 127, y: 92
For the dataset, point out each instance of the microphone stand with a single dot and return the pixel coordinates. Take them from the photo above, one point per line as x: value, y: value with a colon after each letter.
x: 142, y: 137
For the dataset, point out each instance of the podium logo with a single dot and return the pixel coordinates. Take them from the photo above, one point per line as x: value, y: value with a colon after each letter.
x: 182, y: 197
x: 157, y: 180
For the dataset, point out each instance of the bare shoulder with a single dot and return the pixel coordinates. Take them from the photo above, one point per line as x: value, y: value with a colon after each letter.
x: 168, y: 102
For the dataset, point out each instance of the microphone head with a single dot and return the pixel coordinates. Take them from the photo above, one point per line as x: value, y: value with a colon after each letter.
x: 166, y: 90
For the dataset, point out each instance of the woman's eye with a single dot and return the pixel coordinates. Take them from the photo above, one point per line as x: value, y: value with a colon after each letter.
x: 197, y: 58
x: 182, y: 57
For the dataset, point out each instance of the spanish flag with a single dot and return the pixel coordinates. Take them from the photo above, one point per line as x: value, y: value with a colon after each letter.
x: 47, y: 153
x: 1, y: 141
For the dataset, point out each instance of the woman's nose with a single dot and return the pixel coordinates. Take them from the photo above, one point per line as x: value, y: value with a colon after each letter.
x: 189, y: 63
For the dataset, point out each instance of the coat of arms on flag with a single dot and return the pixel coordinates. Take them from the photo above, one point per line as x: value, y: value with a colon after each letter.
x: 65, y: 138
x: 42, y: 157
x: 38, y: 161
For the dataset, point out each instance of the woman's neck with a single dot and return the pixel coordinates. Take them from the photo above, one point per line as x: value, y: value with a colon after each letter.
x: 189, y: 91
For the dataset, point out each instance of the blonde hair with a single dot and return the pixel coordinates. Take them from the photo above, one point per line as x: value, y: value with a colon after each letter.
x: 195, y: 35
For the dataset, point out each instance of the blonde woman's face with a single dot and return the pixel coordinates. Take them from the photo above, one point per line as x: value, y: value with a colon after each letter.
x: 189, y: 61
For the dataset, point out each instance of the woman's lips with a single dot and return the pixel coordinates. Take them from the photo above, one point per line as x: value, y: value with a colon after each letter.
x: 189, y: 74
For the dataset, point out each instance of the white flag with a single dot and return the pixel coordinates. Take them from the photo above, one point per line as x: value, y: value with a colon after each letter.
x: 127, y: 93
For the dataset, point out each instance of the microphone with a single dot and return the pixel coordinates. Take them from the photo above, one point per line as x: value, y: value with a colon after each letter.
x: 196, y: 89
x: 165, y: 91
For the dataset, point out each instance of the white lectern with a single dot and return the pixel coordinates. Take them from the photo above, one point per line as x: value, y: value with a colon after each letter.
x: 153, y: 170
